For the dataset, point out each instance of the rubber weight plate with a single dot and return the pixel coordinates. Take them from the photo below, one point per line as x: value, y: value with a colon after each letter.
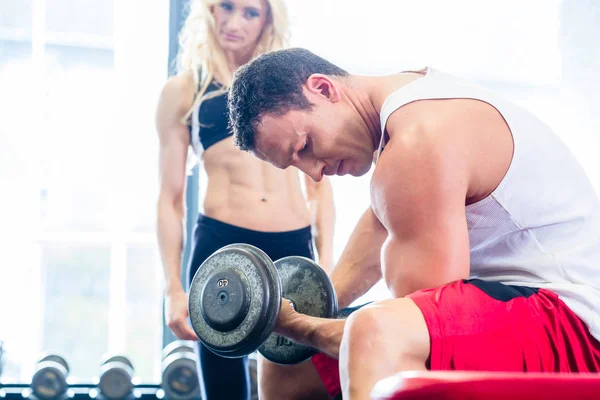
x: 308, y: 287
x: 232, y: 299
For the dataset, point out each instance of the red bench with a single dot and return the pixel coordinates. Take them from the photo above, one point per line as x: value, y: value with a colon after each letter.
x: 444, y: 385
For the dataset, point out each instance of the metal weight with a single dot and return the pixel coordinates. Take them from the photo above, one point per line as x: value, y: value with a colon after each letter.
x: 50, y: 378
x: 234, y: 300
x: 177, y: 346
x: 308, y: 288
x: 116, y: 377
x: 179, y: 371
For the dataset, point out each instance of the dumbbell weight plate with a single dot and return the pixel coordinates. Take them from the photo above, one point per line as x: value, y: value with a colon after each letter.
x: 274, y: 288
x: 57, y: 359
x: 179, y: 376
x: 118, y: 359
x: 116, y: 378
x: 177, y: 346
x: 234, y: 300
x: 308, y: 287
x: 50, y: 378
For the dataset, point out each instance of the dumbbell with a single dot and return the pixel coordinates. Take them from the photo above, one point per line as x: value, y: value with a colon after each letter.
x: 179, y: 373
x: 116, y: 377
x: 235, y: 299
x: 50, y: 378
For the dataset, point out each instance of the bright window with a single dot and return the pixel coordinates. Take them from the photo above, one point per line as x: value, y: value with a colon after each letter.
x: 79, y: 265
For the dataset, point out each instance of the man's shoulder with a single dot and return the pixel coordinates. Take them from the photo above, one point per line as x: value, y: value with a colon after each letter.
x: 426, y: 134
x: 426, y: 114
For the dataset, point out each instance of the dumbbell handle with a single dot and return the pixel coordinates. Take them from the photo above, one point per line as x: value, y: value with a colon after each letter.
x: 291, y: 303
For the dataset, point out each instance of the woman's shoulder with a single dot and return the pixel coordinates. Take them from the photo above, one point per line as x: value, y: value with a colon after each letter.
x: 182, y: 83
x: 177, y: 95
x: 181, y: 87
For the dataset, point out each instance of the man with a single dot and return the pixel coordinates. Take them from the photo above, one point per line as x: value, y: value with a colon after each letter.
x: 487, y: 228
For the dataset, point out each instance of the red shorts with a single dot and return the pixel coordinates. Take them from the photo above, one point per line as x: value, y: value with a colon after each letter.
x: 487, y: 326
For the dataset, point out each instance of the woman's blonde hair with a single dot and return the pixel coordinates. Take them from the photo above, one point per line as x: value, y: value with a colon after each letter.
x: 201, y: 55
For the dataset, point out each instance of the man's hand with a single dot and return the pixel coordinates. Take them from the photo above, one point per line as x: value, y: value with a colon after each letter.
x: 176, y: 314
x: 287, y: 316
x: 321, y: 333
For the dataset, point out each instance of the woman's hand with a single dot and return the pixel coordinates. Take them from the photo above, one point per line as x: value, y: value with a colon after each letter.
x: 176, y: 314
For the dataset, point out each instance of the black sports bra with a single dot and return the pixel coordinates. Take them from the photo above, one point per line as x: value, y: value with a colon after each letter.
x: 210, y: 121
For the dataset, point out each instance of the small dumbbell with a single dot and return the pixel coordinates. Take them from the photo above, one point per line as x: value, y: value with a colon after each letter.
x: 116, y: 377
x: 235, y: 299
x: 179, y: 373
x: 49, y: 381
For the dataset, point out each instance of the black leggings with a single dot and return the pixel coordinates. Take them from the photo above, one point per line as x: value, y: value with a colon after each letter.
x: 226, y: 378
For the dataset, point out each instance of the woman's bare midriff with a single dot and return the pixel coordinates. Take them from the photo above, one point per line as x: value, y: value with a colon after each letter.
x: 247, y: 192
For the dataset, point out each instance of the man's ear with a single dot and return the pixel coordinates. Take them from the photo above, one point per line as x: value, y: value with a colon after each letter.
x: 323, y: 85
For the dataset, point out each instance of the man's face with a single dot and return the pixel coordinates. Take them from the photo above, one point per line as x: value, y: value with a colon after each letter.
x: 329, y: 139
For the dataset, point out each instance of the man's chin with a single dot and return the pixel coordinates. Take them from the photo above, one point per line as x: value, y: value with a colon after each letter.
x: 361, y: 170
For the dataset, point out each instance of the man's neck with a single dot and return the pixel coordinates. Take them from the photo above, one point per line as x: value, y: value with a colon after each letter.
x: 374, y: 92
x: 360, y: 95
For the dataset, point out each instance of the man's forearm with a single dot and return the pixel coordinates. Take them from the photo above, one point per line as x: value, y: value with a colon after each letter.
x: 320, y: 333
x: 359, y: 267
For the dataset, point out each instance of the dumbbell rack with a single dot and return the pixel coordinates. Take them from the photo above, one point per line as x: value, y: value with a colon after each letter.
x: 116, y: 380
x: 81, y: 391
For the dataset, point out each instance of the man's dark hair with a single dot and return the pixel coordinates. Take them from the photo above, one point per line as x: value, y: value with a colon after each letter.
x: 272, y: 83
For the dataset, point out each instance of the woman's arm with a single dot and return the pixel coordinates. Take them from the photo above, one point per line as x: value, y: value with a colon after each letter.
x: 175, y: 100
x: 322, y: 211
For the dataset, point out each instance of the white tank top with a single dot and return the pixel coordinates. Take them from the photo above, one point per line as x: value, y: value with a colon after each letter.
x: 541, y: 226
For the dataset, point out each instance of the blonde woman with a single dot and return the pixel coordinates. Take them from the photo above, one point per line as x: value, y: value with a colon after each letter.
x: 246, y: 200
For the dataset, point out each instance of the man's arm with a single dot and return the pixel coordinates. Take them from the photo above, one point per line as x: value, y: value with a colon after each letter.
x: 422, y: 203
x: 322, y: 211
x: 357, y: 271
x: 420, y: 186
x: 320, y: 333
x: 359, y: 267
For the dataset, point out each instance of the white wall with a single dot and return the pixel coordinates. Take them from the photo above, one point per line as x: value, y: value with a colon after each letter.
x: 543, y: 54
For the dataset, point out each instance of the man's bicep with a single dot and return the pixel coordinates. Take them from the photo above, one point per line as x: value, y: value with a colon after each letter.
x: 420, y: 255
x: 424, y: 211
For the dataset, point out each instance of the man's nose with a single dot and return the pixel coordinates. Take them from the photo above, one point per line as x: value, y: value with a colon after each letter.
x: 313, y: 170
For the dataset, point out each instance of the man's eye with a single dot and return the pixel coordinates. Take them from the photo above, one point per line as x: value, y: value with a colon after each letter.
x: 304, y: 147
